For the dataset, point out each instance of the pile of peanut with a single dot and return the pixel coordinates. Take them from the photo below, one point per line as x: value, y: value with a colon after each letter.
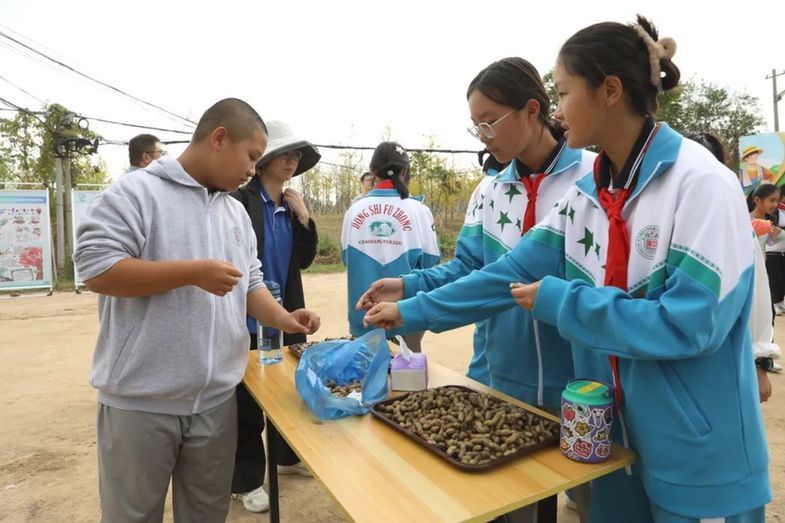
x: 470, y: 427
x: 298, y: 348
x: 343, y: 390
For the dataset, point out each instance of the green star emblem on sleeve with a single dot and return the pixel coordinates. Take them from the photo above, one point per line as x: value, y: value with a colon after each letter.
x: 587, y: 241
x: 512, y: 192
x: 568, y: 211
x: 504, y: 219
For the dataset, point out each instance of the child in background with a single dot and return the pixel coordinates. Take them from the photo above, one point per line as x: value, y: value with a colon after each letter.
x: 386, y: 233
x: 761, y: 316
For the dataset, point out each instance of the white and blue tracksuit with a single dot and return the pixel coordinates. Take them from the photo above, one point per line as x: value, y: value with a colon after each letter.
x: 690, y: 391
x: 384, y: 236
x: 526, y: 359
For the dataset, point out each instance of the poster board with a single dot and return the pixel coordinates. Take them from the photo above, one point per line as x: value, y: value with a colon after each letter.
x: 79, y: 202
x: 25, y: 240
x: 761, y: 159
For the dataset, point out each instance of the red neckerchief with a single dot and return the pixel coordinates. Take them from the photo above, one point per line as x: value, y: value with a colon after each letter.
x: 384, y: 184
x: 532, y: 184
x: 618, y: 257
x: 781, y: 206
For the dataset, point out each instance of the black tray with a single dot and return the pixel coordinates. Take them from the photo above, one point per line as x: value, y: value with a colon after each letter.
x: 554, y: 440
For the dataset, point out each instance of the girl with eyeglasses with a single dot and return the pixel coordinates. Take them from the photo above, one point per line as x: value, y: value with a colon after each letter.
x: 652, y: 291
x: 510, y: 109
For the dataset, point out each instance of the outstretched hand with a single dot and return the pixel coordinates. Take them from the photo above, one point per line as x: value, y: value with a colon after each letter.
x: 301, y: 321
x: 385, y: 315
x: 386, y: 289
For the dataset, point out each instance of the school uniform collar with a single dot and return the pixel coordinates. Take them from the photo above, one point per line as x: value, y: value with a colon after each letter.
x: 560, y: 159
x: 383, y: 188
x: 661, y: 155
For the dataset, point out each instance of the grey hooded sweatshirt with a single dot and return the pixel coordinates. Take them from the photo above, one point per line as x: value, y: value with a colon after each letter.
x: 183, y: 351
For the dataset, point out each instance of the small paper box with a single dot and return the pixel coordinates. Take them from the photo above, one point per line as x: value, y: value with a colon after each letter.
x: 409, y: 375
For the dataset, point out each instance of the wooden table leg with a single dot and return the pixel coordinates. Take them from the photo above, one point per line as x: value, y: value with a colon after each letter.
x: 273, y: 439
x: 546, y: 510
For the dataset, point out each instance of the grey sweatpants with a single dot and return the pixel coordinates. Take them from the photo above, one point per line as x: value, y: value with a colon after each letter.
x: 139, y: 452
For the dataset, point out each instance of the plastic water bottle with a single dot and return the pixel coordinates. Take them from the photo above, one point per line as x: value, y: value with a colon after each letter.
x: 270, y: 339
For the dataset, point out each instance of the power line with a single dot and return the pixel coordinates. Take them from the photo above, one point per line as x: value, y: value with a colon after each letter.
x: 39, y: 44
x: 30, y: 56
x: 139, y: 126
x: 408, y: 149
x: 34, y: 114
x: 113, y: 88
x: 26, y: 92
x: 349, y: 167
x: 365, y: 148
x: 115, y: 122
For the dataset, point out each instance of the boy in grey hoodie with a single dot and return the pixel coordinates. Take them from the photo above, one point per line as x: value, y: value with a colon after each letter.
x: 173, y: 257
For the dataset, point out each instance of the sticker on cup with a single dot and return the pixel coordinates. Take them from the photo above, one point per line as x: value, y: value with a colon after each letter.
x: 586, y: 418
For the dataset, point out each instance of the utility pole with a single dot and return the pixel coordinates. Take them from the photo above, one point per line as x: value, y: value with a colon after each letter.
x: 67, y: 144
x: 68, y: 211
x: 59, y: 217
x: 776, y: 96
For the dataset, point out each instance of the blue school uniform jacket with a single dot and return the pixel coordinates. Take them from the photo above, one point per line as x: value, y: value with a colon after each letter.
x: 526, y: 359
x: 384, y: 236
x: 690, y: 390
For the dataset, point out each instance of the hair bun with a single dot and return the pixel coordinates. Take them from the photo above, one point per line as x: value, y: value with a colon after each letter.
x: 667, y: 47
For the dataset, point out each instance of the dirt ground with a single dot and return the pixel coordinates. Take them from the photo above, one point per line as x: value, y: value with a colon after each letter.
x: 47, y: 410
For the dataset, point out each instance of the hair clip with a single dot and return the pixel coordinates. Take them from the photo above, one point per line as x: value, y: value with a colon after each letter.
x: 662, y: 49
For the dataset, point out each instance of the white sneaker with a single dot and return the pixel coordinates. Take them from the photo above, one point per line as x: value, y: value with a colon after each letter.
x: 776, y: 367
x: 298, y: 468
x: 779, y: 309
x: 254, y: 501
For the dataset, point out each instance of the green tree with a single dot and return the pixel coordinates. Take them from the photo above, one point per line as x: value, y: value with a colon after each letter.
x: 27, y: 147
x: 700, y: 106
x: 446, y: 189
x: 550, y: 88
x: 345, y: 178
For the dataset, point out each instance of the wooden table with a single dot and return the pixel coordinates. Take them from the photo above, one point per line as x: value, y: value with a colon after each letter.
x: 374, y: 473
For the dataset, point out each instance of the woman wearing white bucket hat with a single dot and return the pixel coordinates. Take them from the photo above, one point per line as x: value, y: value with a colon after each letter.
x: 286, y: 242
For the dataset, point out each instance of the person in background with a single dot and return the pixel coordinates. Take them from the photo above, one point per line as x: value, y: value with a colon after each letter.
x: 761, y: 323
x: 367, y: 180
x: 775, y: 259
x: 286, y: 241
x: 142, y: 150
x: 386, y: 233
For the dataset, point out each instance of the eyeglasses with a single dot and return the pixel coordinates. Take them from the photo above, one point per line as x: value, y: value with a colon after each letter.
x: 485, y: 130
x: 160, y: 152
x: 295, y: 155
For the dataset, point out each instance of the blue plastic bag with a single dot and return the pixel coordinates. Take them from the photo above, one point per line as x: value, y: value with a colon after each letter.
x: 365, y: 359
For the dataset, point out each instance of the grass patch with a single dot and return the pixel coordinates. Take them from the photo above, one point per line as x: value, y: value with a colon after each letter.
x: 325, y: 268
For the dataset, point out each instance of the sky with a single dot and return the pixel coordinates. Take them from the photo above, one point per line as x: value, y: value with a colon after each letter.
x: 343, y: 72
